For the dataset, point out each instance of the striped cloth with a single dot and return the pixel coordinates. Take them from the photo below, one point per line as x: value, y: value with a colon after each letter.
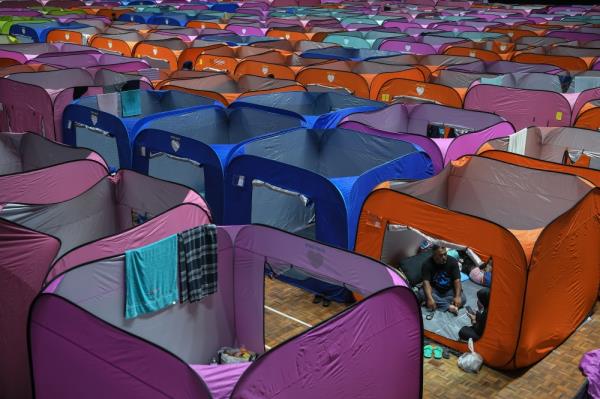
x: 197, y: 262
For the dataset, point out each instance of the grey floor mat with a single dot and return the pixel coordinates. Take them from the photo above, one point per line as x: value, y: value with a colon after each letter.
x: 446, y: 324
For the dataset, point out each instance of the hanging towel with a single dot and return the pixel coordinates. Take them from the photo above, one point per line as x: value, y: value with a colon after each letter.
x: 517, y: 142
x: 151, y: 277
x: 197, y: 262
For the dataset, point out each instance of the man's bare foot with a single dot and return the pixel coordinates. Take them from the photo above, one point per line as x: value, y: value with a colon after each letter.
x: 453, y: 309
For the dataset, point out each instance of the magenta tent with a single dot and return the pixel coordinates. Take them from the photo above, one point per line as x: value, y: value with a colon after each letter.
x: 28, y: 159
x: 116, y: 212
x: 35, y: 101
x: 445, y: 133
x: 168, y: 352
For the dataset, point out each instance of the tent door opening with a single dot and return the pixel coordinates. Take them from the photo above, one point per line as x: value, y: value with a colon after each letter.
x: 284, y: 209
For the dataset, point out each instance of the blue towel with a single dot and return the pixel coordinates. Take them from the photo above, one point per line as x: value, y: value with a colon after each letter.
x: 151, y: 282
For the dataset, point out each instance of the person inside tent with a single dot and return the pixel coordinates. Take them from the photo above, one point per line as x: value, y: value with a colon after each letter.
x: 478, y: 319
x: 442, y: 289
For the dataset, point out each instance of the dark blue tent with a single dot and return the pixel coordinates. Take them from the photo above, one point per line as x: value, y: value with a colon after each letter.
x: 317, y: 110
x: 315, y: 180
x: 192, y: 148
x: 108, y: 123
x: 346, y: 54
x: 313, y: 183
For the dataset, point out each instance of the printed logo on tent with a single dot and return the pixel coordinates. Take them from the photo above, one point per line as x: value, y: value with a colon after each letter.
x: 175, y: 144
x: 455, y: 30
x: 94, y: 118
x: 345, y: 42
x: 287, y: 36
x: 420, y: 90
x: 503, y: 47
x: 330, y: 77
x: 511, y: 34
x: 109, y: 44
x: 154, y: 50
x: 243, y: 31
x: 23, y: 30
x: 219, y: 61
x: 265, y: 70
x: 67, y: 36
x: 203, y: 26
x: 166, y: 22
x: 131, y: 18
x: 407, y: 47
x: 315, y: 259
x: 472, y: 53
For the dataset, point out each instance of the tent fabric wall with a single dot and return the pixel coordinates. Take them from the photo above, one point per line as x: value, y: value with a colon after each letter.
x: 388, y: 313
x: 28, y: 159
x: 325, y: 166
x: 206, y: 137
x: 148, y: 196
x: 86, y: 124
x: 410, y: 123
x: 520, y: 107
x: 514, y: 337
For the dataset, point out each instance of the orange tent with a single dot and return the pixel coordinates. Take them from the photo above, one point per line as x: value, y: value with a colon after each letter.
x: 571, y: 64
x: 540, y: 228
x: 365, y: 79
x: 589, y: 116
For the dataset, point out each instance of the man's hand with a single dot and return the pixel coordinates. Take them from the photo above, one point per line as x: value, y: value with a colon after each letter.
x: 431, y: 304
x: 457, y: 302
x: 472, y: 317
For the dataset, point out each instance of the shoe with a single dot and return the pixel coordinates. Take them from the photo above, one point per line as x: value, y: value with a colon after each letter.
x: 326, y: 302
x: 317, y: 299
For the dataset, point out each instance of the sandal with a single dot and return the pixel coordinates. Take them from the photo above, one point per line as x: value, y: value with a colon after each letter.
x: 317, y: 299
x: 326, y: 302
x: 427, y: 351
x: 437, y: 352
x: 430, y: 315
x: 446, y: 353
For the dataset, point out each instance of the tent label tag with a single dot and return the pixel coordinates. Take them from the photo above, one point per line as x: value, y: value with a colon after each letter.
x: 239, y: 180
x: 559, y: 116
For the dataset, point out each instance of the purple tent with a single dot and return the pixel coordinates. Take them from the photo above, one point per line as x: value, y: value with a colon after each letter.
x: 35, y: 101
x: 167, y: 353
x: 28, y: 159
x: 91, y: 61
x: 423, y: 124
x: 590, y: 366
x: 25, y: 52
x: 36, y: 238
x: 521, y: 107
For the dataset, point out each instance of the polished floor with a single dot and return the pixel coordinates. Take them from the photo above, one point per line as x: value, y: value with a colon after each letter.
x: 289, y: 311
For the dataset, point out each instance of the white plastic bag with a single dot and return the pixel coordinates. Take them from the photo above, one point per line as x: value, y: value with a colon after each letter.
x: 471, y: 361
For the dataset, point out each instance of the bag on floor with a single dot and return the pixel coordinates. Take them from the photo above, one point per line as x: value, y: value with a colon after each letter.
x: 471, y: 361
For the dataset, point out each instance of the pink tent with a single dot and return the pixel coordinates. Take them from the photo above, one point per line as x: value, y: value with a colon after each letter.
x: 167, y: 353
x: 26, y: 160
x: 35, y: 101
x: 118, y: 212
x: 445, y: 133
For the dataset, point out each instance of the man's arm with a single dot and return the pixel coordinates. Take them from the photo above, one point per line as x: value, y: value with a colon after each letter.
x: 457, y: 293
x: 428, y: 295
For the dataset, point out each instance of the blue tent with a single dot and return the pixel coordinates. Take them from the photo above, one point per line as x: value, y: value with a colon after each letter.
x: 137, y: 17
x: 313, y: 182
x: 225, y: 7
x: 171, y: 18
x: 346, y: 54
x: 108, y: 123
x: 236, y: 40
x: 317, y: 110
x: 36, y: 32
x: 192, y: 148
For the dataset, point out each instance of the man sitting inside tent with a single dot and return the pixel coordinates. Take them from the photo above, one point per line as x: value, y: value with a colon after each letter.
x: 442, y: 288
